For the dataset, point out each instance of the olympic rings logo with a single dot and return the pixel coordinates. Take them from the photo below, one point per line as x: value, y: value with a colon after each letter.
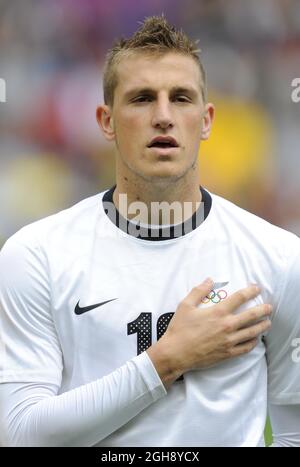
x: 215, y: 297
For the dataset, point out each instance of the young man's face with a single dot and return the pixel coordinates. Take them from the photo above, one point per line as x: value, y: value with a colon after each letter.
x: 157, y: 96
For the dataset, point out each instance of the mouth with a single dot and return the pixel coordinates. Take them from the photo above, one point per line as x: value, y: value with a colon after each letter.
x: 163, y: 144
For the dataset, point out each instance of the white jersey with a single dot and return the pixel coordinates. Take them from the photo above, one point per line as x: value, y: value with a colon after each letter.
x: 80, y: 297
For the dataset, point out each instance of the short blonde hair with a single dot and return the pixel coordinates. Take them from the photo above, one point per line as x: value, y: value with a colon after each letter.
x: 155, y: 36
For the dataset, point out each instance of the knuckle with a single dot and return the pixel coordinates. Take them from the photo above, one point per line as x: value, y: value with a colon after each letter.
x: 249, y: 315
x: 227, y: 326
x: 253, y: 315
x: 252, y: 333
x: 228, y: 343
x: 242, y: 295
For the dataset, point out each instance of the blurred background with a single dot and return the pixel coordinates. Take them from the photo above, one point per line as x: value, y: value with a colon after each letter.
x: 51, y: 57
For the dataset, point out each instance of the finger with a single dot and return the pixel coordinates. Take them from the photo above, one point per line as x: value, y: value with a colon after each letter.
x: 241, y: 349
x: 250, y: 316
x: 198, y: 292
x: 240, y: 297
x: 250, y: 333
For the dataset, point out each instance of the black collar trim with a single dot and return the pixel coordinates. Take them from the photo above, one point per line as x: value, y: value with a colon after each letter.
x: 157, y: 233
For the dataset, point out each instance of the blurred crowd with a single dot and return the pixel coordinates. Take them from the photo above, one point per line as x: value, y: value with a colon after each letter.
x: 52, y: 153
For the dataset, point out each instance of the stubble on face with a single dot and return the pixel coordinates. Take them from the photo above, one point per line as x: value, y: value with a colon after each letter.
x: 156, y: 95
x: 160, y: 181
x: 136, y: 168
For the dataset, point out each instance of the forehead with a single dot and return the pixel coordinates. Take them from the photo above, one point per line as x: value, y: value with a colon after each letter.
x: 155, y: 71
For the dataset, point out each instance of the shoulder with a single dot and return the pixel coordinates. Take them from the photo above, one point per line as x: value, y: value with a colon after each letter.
x: 251, y: 230
x: 74, y: 220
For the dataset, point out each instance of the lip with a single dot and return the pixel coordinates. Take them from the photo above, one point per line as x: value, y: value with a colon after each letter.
x: 164, y: 151
x: 164, y: 139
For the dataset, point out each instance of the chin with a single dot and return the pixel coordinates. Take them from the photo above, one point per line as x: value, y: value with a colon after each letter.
x: 161, y: 172
x: 163, y: 176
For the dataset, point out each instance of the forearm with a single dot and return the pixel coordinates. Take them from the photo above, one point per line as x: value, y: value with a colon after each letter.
x: 84, y: 416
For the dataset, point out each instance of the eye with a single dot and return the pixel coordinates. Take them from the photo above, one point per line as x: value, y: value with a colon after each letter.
x: 143, y: 98
x: 182, y: 98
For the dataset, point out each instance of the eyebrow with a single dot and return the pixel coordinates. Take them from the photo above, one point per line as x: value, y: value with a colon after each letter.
x: 175, y: 90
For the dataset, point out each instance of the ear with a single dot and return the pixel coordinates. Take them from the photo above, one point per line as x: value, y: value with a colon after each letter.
x: 207, y: 121
x: 105, y: 121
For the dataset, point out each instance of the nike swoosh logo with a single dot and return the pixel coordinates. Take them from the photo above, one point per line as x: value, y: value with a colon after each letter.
x: 218, y: 285
x: 80, y: 310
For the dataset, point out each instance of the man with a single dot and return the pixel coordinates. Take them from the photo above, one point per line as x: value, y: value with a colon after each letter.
x: 112, y: 337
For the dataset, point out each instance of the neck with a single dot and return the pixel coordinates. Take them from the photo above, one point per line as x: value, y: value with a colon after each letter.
x: 157, y: 201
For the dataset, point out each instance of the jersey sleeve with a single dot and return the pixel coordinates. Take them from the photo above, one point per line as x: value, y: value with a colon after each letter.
x: 283, y: 340
x: 30, y: 350
x: 285, y: 420
x: 31, y: 364
x: 34, y: 415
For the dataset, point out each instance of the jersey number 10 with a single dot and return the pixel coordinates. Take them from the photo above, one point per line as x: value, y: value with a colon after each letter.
x: 142, y: 326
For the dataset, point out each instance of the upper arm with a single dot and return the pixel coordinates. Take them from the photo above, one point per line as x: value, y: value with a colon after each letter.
x: 30, y: 349
x: 283, y: 366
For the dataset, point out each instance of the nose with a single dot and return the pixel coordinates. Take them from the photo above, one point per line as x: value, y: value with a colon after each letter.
x: 162, y: 114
